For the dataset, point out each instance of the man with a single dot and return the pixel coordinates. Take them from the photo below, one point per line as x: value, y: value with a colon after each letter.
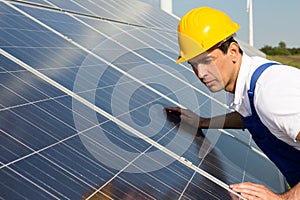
x: 270, y: 110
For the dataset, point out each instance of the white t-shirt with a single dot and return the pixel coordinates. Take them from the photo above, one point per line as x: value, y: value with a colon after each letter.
x: 276, y: 97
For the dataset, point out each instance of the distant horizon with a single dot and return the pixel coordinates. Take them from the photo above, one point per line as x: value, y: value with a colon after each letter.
x: 271, y: 26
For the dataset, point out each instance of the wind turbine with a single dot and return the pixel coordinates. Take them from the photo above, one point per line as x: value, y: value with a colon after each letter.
x: 166, y: 5
x: 250, y: 11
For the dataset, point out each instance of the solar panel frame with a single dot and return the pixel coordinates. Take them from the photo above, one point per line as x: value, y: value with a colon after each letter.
x: 52, y: 113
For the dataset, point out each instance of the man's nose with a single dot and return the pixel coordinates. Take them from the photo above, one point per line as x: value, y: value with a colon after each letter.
x: 201, y: 70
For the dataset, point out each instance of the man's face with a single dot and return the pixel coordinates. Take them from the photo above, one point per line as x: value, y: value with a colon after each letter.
x: 212, y: 69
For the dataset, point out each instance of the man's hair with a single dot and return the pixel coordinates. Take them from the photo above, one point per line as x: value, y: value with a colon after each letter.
x: 225, y: 45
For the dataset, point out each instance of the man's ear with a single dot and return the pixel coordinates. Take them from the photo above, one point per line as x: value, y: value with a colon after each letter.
x: 233, y: 51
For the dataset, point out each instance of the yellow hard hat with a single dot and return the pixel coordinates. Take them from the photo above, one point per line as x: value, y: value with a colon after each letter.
x: 202, y: 28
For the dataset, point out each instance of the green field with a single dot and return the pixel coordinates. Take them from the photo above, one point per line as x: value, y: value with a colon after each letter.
x: 293, y: 60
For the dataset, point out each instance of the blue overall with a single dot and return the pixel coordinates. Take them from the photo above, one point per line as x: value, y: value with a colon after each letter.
x: 284, y: 156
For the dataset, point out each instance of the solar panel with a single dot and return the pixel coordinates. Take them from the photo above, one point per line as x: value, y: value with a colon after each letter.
x: 83, y: 86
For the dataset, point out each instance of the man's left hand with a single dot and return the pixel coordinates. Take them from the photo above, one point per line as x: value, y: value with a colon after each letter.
x: 255, y: 191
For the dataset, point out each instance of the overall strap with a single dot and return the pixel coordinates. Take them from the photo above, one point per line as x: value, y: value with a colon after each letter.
x: 254, y: 78
x: 284, y: 156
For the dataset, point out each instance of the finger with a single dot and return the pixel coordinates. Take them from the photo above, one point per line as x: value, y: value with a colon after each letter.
x: 186, y: 113
x: 247, y: 185
x: 250, y: 194
x: 250, y: 197
x: 174, y: 109
x: 173, y: 117
x: 250, y: 189
x: 199, y: 133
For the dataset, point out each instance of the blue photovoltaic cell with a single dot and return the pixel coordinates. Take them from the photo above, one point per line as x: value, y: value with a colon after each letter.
x: 83, y: 86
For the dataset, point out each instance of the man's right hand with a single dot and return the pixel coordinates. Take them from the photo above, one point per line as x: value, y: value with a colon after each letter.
x: 185, y: 116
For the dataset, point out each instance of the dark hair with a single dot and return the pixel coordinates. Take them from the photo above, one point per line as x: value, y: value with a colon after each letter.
x: 225, y: 45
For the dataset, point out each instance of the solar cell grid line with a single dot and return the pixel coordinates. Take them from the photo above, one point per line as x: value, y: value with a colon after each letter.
x: 45, y: 111
x: 157, y: 21
x: 173, y: 41
x: 50, y: 161
x: 163, y: 39
x: 165, y: 20
x: 200, y: 188
x: 166, y: 30
x: 162, y: 69
x: 245, y: 136
x: 118, y: 122
x: 111, y: 9
x: 151, y: 25
x: 47, y: 96
x: 147, y: 60
x: 104, y: 186
x: 152, y: 63
x: 73, y: 6
x: 97, y: 56
x: 139, y: 14
x: 38, y: 2
x: 35, y: 53
x: 172, y: 24
x: 170, y: 30
x: 81, y: 10
x: 180, y: 79
x: 117, y: 174
x: 46, y: 193
x: 8, y: 165
x: 79, y: 7
x: 190, y: 181
x: 172, y: 21
x: 33, y: 103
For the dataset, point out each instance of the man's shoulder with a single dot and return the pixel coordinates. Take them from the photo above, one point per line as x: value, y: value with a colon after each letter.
x: 278, y: 88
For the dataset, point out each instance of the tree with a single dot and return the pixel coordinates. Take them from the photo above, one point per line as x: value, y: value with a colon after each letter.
x: 279, y: 50
x: 282, y: 45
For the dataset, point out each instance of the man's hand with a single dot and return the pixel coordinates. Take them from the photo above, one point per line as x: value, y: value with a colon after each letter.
x: 185, y: 116
x: 253, y: 191
x: 178, y: 115
x: 298, y: 137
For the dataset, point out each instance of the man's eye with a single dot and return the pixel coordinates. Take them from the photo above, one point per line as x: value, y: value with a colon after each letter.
x: 206, y: 61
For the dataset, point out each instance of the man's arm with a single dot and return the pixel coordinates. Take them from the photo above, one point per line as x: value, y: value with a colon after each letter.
x: 231, y: 120
x: 293, y: 193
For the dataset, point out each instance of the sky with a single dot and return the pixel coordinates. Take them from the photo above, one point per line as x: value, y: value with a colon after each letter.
x: 273, y: 20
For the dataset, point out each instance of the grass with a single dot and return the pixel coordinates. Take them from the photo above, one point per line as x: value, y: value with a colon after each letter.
x: 293, y: 60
